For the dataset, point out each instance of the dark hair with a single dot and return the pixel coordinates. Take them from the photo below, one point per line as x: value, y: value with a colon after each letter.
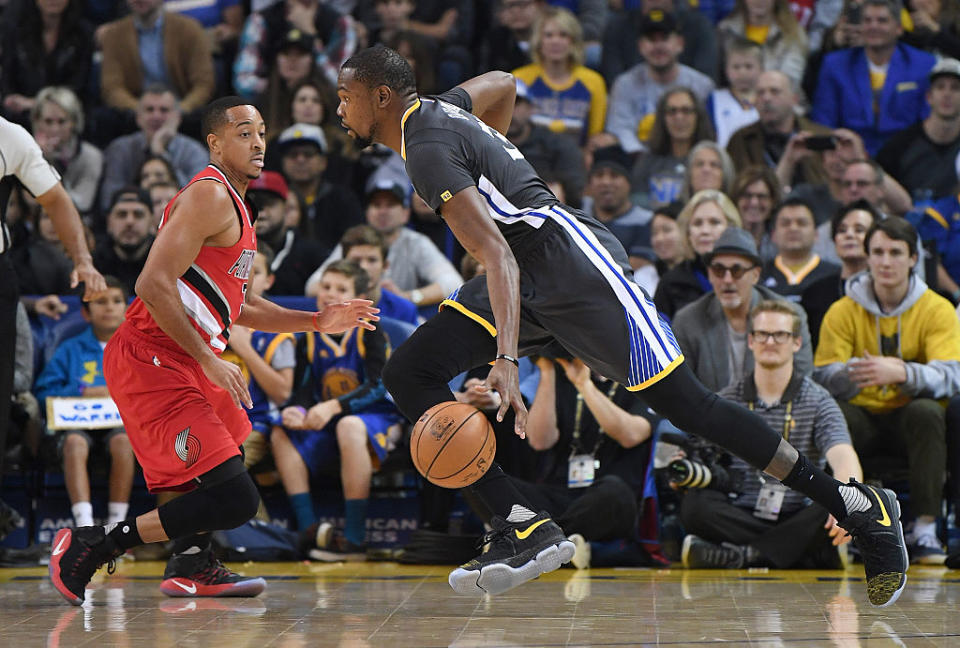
x: 670, y: 210
x: 166, y: 163
x: 214, y: 114
x: 268, y: 254
x: 793, y: 201
x: 379, y: 65
x: 893, y: 6
x: 131, y: 194
x: 112, y: 282
x: 856, y: 205
x: 775, y: 306
x: 363, y: 235
x: 898, y: 229
x: 660, y: 136
x: 350, y: 270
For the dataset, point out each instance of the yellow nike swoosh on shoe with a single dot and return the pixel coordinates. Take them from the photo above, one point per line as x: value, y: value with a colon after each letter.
x: 522, y: 535
x: 885, y: 520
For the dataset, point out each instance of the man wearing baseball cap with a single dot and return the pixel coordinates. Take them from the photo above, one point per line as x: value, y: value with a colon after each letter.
x: 712, y: 331
x: 327, y: 209
x: 636, y: 92
x: 295, y: 257
x: 609, y: 186
x: 123, y: 251
x: 921, y: 157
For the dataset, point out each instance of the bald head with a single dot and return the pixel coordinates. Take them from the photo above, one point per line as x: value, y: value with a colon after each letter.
x: 776, y: 101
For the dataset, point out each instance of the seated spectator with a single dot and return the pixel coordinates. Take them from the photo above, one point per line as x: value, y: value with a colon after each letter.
x: 296, y: 257
x: 888, y: 351
x: 848, y: 229
x: 428, y: 222
x: 766, y: 524
x: 796, y: 265
x: 922, y: 157
x: 636, y: 95
x: 620, y: 38
x: 342, y: 422
x: 161, y: 193
x: 158, y: 117
x: 665, y: 238
x: 712, y: 331
x: 680, y: 123
x: 364, y: 246
x: 608, y: 186
x: 267, y: 361
x: 57, y: 118
x: 155, y: 170
x: 417, y: 51
x: 153, y: 46
x: 293, y: 65
x: 123, y: 251
x: 779, y: 131
x: 594, y: 437
x: 334, y: 41
x: 708, y: 167
x: 222, y: 20
x: 41, y: 262
x: 701, y: 222
x: 771, y: 25
x: 506, y: 45
x: 416, y: 269
x: 935, y: 27
x: 567, y: 97
x: 45, y: 44
x: 732, y: 108
x: 76, y: 370
x: 878, y: 89
x: 327, y: 209
x: 548, y: 154
x: 755, y: 192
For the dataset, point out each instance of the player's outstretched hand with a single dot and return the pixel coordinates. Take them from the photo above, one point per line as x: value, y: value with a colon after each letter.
x: 504, y: 378
x: 228, y: 376
x: 337, y: 318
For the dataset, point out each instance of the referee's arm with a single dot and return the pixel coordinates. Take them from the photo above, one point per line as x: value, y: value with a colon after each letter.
x: 492, y: 95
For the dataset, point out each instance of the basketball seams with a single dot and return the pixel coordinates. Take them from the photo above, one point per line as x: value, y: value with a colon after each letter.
x: 416, y: 450
x: 474, y: 457
x: 447, y: 441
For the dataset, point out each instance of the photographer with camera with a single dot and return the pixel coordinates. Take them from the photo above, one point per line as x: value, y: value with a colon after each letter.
x: 742, y: 518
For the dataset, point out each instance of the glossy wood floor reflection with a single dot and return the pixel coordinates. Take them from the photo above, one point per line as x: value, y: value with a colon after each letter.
x: 382, y: 604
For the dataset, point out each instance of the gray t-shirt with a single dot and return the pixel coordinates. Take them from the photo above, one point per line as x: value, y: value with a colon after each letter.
x: 738, y: 349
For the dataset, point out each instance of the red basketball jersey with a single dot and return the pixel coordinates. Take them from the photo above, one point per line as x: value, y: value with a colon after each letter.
x: 212, y: 289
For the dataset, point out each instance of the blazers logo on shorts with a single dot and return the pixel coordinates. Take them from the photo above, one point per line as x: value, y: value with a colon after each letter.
x: 187, y: 447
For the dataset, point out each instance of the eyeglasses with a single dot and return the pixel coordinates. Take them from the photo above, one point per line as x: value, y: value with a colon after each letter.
x: 673, y: 111
x: 736, y: 271
x: 777, y: 336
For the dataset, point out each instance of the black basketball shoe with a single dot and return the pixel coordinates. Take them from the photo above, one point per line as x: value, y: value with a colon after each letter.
x: 202, y: 574
x: 76, y: 556
x: 516, y: 553
x: 878, y: 534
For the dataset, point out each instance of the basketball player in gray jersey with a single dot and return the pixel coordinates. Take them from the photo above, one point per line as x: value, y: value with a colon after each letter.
x: 555, y: 278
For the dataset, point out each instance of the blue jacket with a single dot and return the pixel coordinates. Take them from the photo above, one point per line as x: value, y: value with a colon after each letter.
x: 76, y: 364
x: 844, y: 98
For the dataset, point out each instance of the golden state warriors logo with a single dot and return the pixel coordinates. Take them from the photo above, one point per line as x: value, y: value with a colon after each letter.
x: 339, y: 381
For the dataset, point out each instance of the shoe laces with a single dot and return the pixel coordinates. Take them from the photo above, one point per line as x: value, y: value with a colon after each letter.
x: 214, y: 570
x: 91, y: 567
x: 492, y: 536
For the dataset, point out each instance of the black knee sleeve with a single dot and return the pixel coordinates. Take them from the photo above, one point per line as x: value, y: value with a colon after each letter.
x: 215, y: 506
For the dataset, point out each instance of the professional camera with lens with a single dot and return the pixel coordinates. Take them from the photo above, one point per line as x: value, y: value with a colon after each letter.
x: 705, y: 466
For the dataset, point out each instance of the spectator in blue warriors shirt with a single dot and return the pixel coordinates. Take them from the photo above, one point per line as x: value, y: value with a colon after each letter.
x: 349, y: 425
x: 76, y: 370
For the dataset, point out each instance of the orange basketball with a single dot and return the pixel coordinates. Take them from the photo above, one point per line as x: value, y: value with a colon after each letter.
x: 452, y: 444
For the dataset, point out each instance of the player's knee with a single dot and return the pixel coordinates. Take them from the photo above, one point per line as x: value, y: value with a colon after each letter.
x: 243, y: 502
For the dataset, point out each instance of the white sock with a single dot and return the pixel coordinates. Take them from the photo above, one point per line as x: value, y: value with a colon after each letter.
x: 854, y: 499
x: 924, y: 529
x: 520, y: 514
x: 117, y: 512
x: 82, y: 514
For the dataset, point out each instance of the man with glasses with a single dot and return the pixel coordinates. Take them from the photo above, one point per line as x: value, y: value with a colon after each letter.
x: 766, y: 525
x: 712, y: 331
x: 327, y: 210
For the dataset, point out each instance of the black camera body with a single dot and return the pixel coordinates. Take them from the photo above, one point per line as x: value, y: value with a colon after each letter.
x: 705, y: 466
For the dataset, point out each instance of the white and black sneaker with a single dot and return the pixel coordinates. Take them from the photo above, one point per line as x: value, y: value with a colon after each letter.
x: 518, y: 550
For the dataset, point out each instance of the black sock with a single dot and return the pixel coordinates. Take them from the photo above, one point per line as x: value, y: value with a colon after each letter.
x: 199, y: 540
x: 818, y: 486
x: 126, y: 534
x: 498, y: 493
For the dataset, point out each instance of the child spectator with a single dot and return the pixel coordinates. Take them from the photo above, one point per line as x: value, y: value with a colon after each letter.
x: 75, y: 370
x: 365, y: 246
x: 348, y: 415
x: 732, y: 108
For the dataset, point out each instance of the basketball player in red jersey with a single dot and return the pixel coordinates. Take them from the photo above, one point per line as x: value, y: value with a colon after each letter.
x: 181, y: 403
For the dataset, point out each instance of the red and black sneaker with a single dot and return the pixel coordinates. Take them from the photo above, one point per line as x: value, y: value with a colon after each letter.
x: 76, y: 556
x: 202, y: 574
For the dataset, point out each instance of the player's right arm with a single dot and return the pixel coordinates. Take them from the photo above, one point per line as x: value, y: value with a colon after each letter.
x: 492, y: 96
x: 202, y: 214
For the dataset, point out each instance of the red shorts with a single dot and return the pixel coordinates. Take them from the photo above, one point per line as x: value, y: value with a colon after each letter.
x: 179, y: 423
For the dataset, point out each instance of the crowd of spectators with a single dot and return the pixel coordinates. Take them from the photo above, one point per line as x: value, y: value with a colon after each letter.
x: 783, y: 176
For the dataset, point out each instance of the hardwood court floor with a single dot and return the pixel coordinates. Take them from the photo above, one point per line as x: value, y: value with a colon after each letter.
x: 383, y: 604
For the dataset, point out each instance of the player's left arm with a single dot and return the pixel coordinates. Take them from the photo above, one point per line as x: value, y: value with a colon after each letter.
x: 492, y: 95
x: 467, y: 217
x: 263, y: 315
